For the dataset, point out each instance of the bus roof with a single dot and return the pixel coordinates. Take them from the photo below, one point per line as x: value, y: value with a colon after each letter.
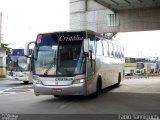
x: 86, y: 31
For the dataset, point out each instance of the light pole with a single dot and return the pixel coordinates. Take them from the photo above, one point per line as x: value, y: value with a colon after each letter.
x: 0, y: 28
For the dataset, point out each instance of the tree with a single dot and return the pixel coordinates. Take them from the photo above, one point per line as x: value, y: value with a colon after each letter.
x: 8, y: 53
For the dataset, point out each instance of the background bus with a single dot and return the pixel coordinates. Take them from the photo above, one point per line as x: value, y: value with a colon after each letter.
x: 75, y: 63
x: 140, y: 66
x: 145, y: 65
x: 19, y: 69
x: 130, y: 66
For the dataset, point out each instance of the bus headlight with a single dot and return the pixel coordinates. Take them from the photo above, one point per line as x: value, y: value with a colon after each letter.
x: 78, y: 81
x: 37, y: 80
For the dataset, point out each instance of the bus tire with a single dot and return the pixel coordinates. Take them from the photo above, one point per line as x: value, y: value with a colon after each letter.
x: 56, y: 96
x: 25, y: 82
x: 98, y: 88
x: 119, y: 80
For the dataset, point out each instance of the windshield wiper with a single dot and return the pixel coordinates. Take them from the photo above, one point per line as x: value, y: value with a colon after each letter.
x: 48, y: 69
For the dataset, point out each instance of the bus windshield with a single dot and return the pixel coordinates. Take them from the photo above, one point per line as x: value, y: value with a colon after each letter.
x: 140, y: 65
x: 22, y: 63
x: 58, y: 58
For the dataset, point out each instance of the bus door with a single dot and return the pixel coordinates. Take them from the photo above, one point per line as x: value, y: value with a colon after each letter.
x: 90, y: 65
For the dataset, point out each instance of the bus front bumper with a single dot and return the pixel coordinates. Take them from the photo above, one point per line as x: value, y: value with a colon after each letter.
x: 74, y: 89
x: 16, y: 78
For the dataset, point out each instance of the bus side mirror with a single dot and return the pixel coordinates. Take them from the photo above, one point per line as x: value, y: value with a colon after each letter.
x: 28, y: 61
x: 86, y: 45
x: 29, y: 64
x: 26, y: 48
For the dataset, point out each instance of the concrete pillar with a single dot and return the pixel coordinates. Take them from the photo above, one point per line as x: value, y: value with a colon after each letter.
x: 140, y: 19
x: 2, y: 54
x: 88, y: 14
x: 0, y: 28
x: 2, y: 63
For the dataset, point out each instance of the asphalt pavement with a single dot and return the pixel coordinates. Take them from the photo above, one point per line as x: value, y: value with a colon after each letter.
x: 5, y: 84
x: 133, y: 97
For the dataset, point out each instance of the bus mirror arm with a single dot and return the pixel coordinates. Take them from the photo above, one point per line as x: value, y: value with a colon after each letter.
x: 90, y: 57
x: 86, y: 54
x: 26, y: 49
x: 29, y: 56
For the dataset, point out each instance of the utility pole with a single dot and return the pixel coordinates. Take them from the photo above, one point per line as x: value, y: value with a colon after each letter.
x: 2, y: 53
x: 0, y: 28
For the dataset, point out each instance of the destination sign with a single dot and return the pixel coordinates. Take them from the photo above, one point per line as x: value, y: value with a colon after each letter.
x: 70, y: 38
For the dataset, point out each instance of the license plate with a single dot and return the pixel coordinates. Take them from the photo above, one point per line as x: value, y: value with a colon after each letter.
x: 16, y: 78
x: 56, y: 90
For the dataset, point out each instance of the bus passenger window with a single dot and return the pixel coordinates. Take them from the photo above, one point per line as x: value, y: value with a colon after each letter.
x: 116, y: 51
x: 92, y: 43
x: 105, y: 47
x: 99, y: 46
x: 91, y: 46
x: 111, y: 49
x: 122, y: 53
x: 108, y: 53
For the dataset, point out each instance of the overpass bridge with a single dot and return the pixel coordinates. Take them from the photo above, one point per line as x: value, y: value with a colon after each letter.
x: 113, y: 16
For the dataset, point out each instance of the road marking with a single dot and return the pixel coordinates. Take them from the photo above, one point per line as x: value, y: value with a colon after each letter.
x: 3, y: 91
x: 15, y: 90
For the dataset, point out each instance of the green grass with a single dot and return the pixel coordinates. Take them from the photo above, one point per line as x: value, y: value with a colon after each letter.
x: 150, y: 74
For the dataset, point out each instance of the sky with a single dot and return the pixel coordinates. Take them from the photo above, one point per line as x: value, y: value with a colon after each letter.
x: 22, y: 20
x: 140, y: 44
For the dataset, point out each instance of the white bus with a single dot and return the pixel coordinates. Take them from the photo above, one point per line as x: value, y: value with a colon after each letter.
x: 23, y: 72
x: 20, y: 68
x: 75, y: 63
x: 130, y: 66
x: 146, y: 67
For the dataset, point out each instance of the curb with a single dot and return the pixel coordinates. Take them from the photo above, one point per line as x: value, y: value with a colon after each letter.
x: 3, y: 78
x: 141, y: 77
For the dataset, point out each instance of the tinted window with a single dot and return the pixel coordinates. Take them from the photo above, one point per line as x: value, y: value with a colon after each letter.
x: 105, y: 47
x: 99, y: 46
x: 116, y: 51
x: 57, y: 54
x: 111, y: 49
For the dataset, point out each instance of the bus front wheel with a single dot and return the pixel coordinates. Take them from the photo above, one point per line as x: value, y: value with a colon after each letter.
x: 56, y: 96
x: 25, y: 82
x: 98, y: 89
x: 119, y: 80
